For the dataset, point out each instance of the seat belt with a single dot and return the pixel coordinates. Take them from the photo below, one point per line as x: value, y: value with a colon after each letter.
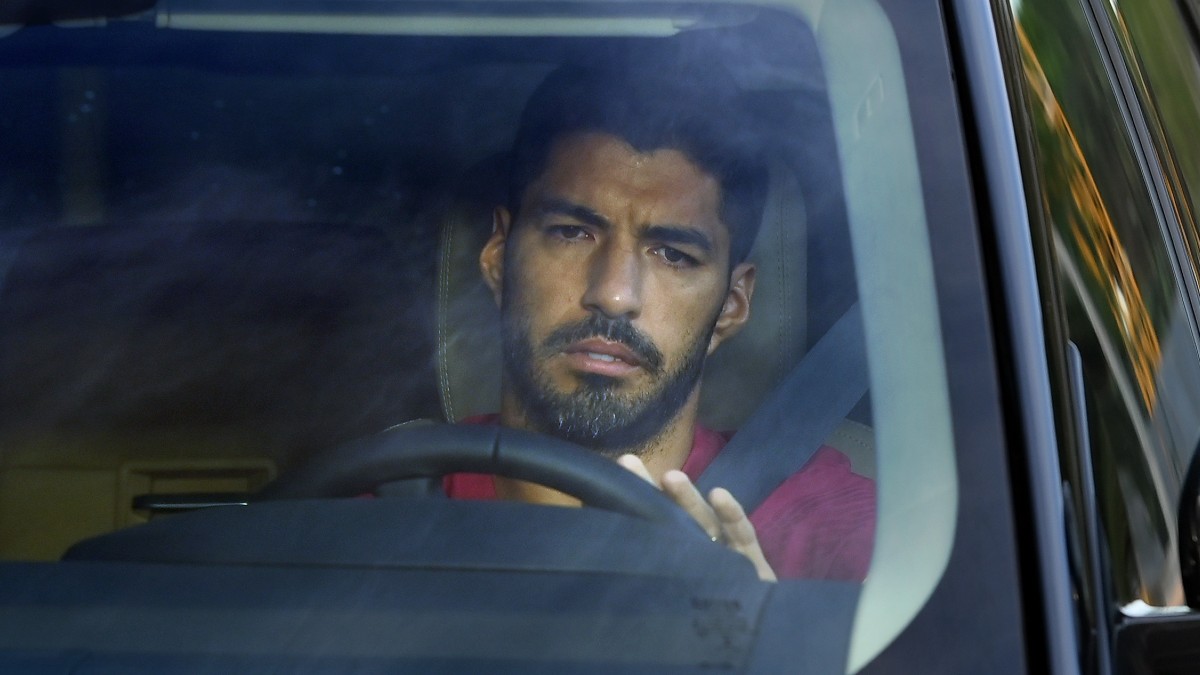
x: 796, y: 419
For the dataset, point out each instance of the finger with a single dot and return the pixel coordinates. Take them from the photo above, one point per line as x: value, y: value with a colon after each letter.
x: 680, y: 489
x: 737, y: 528
x: 739, y: 532
x: 636, y: 465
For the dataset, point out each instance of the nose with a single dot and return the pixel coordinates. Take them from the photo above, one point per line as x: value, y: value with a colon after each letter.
x: 614, y: 282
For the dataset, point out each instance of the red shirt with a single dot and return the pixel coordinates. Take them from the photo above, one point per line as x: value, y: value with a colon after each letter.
x: 818, y: 524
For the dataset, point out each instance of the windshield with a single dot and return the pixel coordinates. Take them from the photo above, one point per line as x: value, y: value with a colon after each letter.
x: 234, y: 240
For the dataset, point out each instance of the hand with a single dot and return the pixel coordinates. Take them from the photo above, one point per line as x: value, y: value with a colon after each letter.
x: 721, y: 516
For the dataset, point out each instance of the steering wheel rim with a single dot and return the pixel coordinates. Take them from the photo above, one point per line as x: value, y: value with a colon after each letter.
x: 435, y: 450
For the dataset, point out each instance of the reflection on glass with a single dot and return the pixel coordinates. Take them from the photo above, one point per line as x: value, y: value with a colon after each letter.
x: 1124, y: 309
x: 1165, y: 70
x: 1087, y: 223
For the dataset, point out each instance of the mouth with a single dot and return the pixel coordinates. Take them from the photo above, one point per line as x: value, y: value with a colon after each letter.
x: 603, y: 357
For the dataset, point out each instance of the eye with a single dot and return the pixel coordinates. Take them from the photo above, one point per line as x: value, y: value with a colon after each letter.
x: 674, y: 257
x: 568, y: 232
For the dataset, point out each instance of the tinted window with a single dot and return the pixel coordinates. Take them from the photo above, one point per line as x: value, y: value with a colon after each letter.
x: 1125, y: 307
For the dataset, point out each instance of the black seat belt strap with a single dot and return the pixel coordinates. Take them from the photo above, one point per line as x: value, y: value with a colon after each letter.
x: 785, y: 432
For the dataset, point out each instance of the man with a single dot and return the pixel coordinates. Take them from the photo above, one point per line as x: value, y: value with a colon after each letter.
x: 619, y: 264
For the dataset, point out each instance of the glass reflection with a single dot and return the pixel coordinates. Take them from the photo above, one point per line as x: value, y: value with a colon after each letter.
x: 1124, y: 309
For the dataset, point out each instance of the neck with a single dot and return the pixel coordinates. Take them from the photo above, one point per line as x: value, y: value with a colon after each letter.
x: 667, y: 450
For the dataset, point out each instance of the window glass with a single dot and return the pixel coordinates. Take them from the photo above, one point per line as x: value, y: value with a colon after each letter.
x: 1165, y: 68
x: 1158, y: 41
x: 1126, y: 310
x: 229, y: 242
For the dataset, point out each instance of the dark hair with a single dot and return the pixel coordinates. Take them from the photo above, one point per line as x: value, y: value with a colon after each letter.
x: 652, y: 106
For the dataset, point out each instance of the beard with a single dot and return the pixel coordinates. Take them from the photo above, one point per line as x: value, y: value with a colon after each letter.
x: 597, y: 414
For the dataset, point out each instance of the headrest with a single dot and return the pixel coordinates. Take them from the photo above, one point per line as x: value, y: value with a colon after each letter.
x: 736, y: 377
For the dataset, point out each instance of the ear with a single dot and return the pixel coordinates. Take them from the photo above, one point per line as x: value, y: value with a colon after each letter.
x: 491, y: 258
x: 736, y: 309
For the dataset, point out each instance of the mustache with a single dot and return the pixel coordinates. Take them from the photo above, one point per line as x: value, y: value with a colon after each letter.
x: 615, y: 330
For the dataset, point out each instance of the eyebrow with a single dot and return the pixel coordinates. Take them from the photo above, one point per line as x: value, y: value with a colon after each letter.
x: 667, y: 234
x: 675, y: 234
x: 579, y: 212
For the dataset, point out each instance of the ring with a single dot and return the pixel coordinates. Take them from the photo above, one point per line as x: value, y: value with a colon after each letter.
x: 715, y: 539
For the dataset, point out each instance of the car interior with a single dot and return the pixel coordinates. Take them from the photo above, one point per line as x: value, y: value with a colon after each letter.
x: 186, y: 343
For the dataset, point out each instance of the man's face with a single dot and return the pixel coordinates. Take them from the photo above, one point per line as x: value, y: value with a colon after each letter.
x: 614, y: 283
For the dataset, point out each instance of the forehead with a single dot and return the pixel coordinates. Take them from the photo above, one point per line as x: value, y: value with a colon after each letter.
x: 622, y: 183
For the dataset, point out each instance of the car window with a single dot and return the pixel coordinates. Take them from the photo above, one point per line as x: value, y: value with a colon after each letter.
x: 232, y: 241
x: 1127, y: 308
x: 1159, y: 41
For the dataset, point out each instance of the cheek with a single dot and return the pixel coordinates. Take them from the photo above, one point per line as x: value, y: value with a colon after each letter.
x: 685, y: 298
x: 545, y: 294
x: 682, y: 314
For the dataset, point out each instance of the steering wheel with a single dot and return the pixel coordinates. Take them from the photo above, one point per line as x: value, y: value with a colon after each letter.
x: 434, y: 450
